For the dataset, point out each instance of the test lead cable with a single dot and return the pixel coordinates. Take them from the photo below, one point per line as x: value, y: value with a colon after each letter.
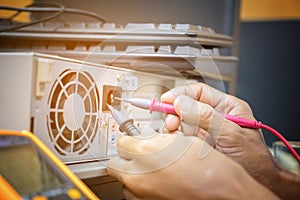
x: 154, y: 105
x: 247, y: 123
x: 126, y: 125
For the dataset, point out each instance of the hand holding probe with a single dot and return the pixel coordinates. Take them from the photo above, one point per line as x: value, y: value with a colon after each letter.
x: 154, y: 105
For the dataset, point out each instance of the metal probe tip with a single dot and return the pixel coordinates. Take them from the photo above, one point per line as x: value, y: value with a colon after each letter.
x: 122, y: 99
x: 109, y: 107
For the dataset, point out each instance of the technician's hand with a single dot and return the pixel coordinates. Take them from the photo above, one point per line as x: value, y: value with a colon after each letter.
x: 200, y: 109
x: 167, y: 166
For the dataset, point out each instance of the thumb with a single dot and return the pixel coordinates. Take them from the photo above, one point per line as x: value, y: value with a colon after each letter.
x: 199, y: 114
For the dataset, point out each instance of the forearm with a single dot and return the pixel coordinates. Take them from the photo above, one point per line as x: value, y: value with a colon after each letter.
x: 252, y: 189
x: 281, y: 182
x: 289, y: 186
x: 258, y: 191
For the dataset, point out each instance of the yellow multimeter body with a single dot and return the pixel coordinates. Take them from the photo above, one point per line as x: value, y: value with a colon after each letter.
x: 29, y: 170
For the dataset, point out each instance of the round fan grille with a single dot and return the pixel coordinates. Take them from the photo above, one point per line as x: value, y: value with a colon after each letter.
x: 73, y: 112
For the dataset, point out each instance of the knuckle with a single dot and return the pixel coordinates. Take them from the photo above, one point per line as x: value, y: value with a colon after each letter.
x: 205, y: 115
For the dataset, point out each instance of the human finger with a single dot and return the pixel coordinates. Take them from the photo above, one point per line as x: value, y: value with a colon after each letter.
x: 143, y: 144
x: 172, y: 122
x: 201, y: 115
x: 116, y: 166
x: 200, y: 92
x: 170, y: 96
x: 128, y: 194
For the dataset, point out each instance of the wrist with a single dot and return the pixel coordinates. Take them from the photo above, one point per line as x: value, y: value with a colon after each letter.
x: 256, y: 190
x: 289, y: 186
x: 270, y: 174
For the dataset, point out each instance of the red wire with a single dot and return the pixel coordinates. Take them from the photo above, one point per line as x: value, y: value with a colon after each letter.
x: 277, y: 134
x: 246, y: 123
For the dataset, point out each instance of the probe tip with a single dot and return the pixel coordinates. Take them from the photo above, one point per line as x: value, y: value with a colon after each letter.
x: 122, y: 99
x: 110, y: 107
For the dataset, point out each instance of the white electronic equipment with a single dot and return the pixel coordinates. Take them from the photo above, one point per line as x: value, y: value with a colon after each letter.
x: 186, y: 48
x: 64, y: 103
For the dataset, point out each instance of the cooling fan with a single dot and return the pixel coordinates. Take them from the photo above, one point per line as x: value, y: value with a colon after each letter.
x: 72, y: 119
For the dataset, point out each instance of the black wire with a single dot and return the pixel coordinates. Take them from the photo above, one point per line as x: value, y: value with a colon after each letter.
x: 69, y: 10
x: 57, y: 13
x: 14, y: 15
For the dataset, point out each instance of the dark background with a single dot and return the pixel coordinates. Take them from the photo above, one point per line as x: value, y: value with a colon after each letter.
x: 268, y: 74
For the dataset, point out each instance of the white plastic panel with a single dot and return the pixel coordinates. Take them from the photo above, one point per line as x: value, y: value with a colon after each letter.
x: 68, y: 112
x: 16, y: 73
